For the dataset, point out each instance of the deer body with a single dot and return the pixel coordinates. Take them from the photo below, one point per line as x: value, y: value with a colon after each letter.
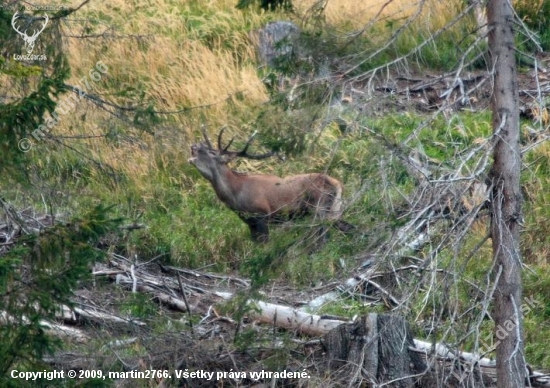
x: 259, y: 199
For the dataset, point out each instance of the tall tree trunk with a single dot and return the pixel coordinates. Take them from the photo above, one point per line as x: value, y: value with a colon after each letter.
x: 506, y: 198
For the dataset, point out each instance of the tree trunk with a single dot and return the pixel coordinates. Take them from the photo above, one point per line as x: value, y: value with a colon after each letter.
x: 506, y: 198
x: 374, y: 349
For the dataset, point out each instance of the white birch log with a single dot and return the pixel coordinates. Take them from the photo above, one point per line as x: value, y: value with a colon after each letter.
x: 293, y: 319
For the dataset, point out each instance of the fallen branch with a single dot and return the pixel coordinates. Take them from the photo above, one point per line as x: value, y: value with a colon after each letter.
x: 54, y: 329
x: 101, y: 317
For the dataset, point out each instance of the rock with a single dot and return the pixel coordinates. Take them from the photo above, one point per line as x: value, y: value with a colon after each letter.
x: 275, y: 41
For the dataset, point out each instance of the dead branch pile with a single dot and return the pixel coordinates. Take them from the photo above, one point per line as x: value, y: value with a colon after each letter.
x: 455, y: 91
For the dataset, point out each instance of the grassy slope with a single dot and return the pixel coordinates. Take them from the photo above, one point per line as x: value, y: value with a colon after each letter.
x: 197, y: 54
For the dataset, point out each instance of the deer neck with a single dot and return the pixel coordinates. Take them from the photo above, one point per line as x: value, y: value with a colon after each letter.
x: 225, y: 183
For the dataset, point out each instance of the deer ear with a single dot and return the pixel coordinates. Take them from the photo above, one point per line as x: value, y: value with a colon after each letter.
x: 226, y: 158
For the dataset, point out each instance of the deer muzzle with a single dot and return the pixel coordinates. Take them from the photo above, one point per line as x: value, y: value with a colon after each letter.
x: 193, y: 157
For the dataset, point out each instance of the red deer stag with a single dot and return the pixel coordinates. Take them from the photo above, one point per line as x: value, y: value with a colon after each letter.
x: 259, y: 199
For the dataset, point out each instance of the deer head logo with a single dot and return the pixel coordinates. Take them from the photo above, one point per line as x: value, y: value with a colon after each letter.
x: 29, y: 40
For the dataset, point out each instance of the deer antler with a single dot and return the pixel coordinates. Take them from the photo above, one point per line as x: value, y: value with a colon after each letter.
x: 224, y: 150
x: 203, y: 130
x: 244, y: 154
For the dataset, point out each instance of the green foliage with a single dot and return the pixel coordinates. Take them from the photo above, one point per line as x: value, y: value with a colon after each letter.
x: 263, y: 261
x: 537, y: 289
x: 347, y: 307
x: 217, y: 30
x: 535, y: 179
x: 139, y: 306
x: 19, y: 119
x: 444, y: 140
x: 266, y: 5
x: 442, y: 50
x: 536, y: 15
x: 425, y: 38
x: 37, y: 277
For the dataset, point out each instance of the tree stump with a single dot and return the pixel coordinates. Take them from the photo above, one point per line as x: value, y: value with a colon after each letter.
x: 374, y: 349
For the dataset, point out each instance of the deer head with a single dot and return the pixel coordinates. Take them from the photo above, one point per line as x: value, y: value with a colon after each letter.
x: 29, y: 40
x: 208, y: 160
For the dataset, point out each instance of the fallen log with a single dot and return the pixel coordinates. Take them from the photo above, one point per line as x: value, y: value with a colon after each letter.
x: 293, y: 319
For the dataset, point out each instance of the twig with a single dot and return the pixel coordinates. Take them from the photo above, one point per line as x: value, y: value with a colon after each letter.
x: 182, y: 289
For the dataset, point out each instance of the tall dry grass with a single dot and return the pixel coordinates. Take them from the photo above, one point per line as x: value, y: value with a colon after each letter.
x: 183, y: 54
x: 176, y: 67
x: 175, y: 55
x: 355, y: 15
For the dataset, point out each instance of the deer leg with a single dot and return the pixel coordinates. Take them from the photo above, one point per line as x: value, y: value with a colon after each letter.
x: 258, y: 228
